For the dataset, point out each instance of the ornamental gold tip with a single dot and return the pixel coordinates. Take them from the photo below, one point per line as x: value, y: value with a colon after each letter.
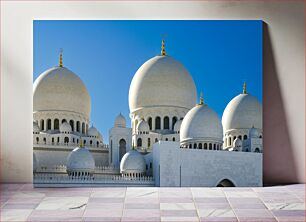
x: 81, y: 143
x: 201, y: 103
x: 61, y: 58
x: 244, y: 88
x: 163, y: 50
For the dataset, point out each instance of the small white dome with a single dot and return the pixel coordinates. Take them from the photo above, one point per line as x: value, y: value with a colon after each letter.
x: 65, y: 127
x: 36, y: 128
x: 59, y: 88
x: 177, y: 125
x: 93, y: 132
x: 237, y: 143
x: 120, y: 121
x: 162, y: 81
x: 242, y: 112
x: 143, y: 126
x: 201, y: 123
x: 80, y: 160
x: 132, y: 162
x: 253, y: 133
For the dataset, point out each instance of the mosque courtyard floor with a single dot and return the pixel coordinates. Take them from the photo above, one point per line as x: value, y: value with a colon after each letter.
x: 22, y: 202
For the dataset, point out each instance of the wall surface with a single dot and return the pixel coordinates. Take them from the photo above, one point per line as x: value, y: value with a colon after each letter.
x: 50, y: 159
x: 284, y: 72
x: 194, y: 167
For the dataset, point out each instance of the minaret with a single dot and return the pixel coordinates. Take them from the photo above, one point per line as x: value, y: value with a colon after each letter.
x: 163, y: 51
x: 61, y: 58
x: 244, y: 88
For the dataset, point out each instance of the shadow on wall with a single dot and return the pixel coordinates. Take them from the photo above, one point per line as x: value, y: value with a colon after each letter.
x: 278, y: 161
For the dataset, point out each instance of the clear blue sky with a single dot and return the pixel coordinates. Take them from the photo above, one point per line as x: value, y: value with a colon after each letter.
x: 219, y: 55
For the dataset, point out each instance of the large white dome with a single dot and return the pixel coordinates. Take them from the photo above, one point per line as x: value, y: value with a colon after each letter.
x: 201, y: 123
x: 242, y: 112
x: 60, y: 89
x: 80, y: 160
x: 162, y: 81
x: 132, y: 162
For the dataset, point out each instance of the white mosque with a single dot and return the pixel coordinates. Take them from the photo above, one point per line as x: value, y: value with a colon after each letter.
x: 173, y: 141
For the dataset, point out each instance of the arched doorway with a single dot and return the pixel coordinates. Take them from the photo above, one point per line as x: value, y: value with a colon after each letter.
x: 66, y: 140
x: 139, y: 142
x: 225, y: 183
x: 122, y: 148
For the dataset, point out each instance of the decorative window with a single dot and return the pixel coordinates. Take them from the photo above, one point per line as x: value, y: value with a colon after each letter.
x: 56, y: 124
x: 166, y: 122
x: 174, y: 120
x: 157, y: 122
x: 71, y: 122
x: 48, y: 124
x: 150, y: 122
x: 139, y: 142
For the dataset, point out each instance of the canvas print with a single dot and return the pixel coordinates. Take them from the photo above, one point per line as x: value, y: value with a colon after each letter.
x: 147, y: 103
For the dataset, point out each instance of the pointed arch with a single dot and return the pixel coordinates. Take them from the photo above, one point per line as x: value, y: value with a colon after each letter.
x: 225, y: 183
x: 157, y: 123
x: 166, y: 122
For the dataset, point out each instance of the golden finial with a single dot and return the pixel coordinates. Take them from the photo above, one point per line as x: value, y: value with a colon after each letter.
x: 244, y: 88
x: 61, y: 58
x: 201, y: 100
x: 163, y: 51
x: 81, y: 143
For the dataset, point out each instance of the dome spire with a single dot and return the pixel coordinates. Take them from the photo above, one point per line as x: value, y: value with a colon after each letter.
x: 244, y: 88
x: 61, y: 58
x: 201, y: 103
x: 163, y: 51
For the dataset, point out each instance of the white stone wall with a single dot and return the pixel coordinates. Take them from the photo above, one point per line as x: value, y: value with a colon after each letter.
x: 166, y: 169
x: 101, y: 158
x: 54, y: 156
x: 156, y: 163
x: 50, y: 158
x: 149, y: 164
x: 193, y: 167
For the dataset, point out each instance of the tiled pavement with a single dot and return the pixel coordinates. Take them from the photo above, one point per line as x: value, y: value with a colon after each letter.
x: 20, y: 202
